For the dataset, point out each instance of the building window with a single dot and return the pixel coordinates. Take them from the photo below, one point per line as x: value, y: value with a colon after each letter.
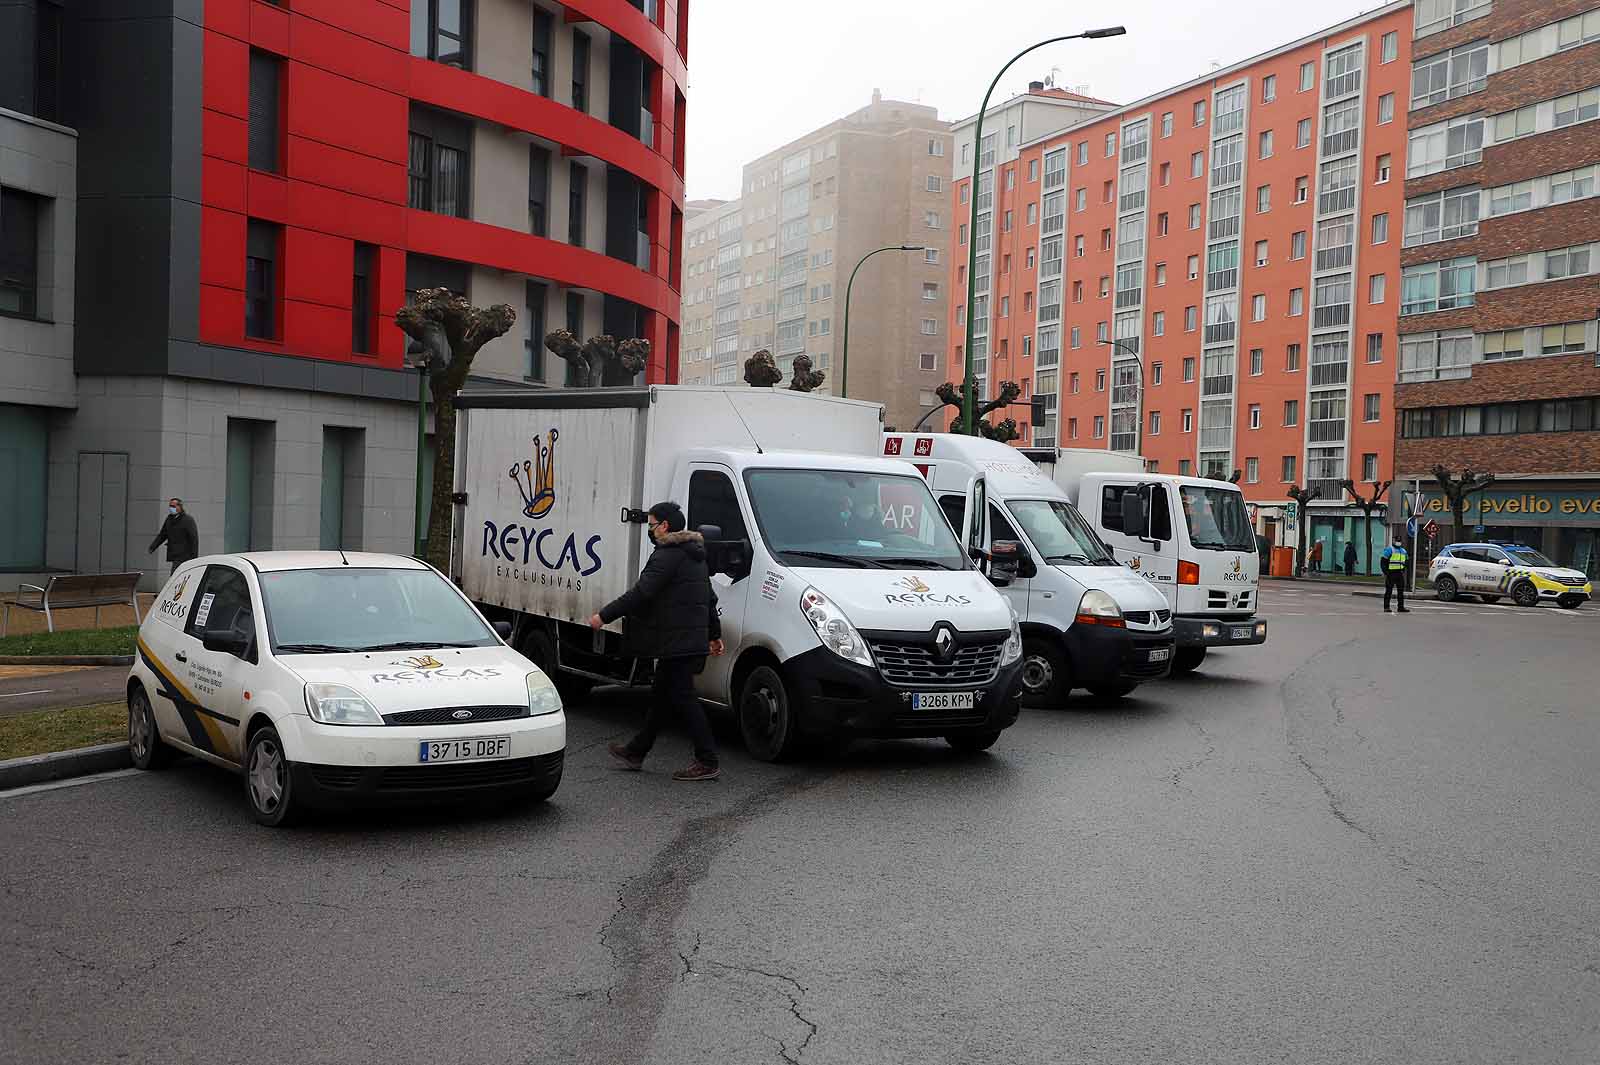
x: 1444, y: 145
x: 930, y: 290
x: 438, y: 163
x: 577, y: 203
x: 19, y: 254
x: 1389, y: 47
x: 927, y: 362
x: 1288, y: 469
x: 1194, y: 267
x: 1161, y: 274
x: 1155, y: 374
x: 1302, y: 134
x: 1374, y: 347
x: 936, y: 147
x: 1077, y: 246
x: 1255, y: 415
x: 361, y: 292
x: 1099, y: 426
x: 1188, y: 370
x: 1158, y: 324
x: 1291, y: 359
x: 1194, y: 216
x: 1438, y: 286
x: 538, y: 190
x: 533, y: 331
x: 1261, y: 253
x: 1258, y: 307
x: 934, y: 184
x: 1297, y: 302
x: 1191, y: 316
x: 542, y: 23
x: 262, y: 241
x: 1297, y: 245
x: 1111, y: 145
x: 1188, y: 420
x: 1166, y: 124
x: 1199, y: 112
x: 1197, y: 164
x: 1449, y: 74
x: 930, y: 327
x: 580, y: 71
x: 1033, y: 214
x: 1155, y: 423
x: 1291, y: 412
x: 1369, y: 466
x: 1263, y: 199
x: 930, y: 219
x: 1382, y: 169
x: 1166, y: 173
x: 440, y: 30
x: 930, y: 256
x: 1308, y: 76
x: 266, y: 108
x: 1257, y: 360
x: 1099, y: 380
x: 1386, y: 108
x: 1264, y: 144
x: 1072, y: 428
x: 1371, y: 406
x: 1269, y: 88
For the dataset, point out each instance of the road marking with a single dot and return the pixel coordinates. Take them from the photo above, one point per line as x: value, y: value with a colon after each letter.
x: 57, y: 785
x: 18, y: 695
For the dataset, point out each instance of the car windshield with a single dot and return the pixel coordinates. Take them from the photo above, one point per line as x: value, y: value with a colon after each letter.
x: 1216, y: 519
x: 322, y: 611
x: 1059, y: 532
x: 1527, y: 556
x: 844, y: 518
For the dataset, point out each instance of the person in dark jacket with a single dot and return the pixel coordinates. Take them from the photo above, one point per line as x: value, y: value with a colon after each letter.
x: 672, y: 617
x: 1349, y: 558
x: 179, y: 533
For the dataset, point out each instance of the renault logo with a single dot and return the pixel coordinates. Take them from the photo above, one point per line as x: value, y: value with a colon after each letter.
x: 944, y: 642
x: 461, y: 715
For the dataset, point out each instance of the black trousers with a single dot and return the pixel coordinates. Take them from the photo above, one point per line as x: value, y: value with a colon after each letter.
x: 1394, y: 580
x: 673, y: 690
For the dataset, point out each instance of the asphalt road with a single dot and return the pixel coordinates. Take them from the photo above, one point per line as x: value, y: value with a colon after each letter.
x: 1372, y: 840
x: 25, y: 688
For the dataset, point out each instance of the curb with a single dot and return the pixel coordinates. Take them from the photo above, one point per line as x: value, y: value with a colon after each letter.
x: 39, y: 768
x: 66, y: 660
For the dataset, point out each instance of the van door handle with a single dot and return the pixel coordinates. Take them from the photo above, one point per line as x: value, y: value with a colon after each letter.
x: 180, y: 656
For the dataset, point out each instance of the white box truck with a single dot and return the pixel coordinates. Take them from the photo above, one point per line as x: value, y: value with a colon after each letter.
x: 849, y: 605
x: 1189, y: 536
x: 1087, y: 622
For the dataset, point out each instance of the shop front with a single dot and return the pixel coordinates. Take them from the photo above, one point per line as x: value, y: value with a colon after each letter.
x: 1561, y: 520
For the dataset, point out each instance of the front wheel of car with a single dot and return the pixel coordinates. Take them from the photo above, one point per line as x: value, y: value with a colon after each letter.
x: 1446, y: 589
x: 268, y: 782
x: 972, y: 742
x: 1525, y: 594
x: 1188, y: 659
x: 1046, y: 676
x: 145, y: 748
x: 766, y: 717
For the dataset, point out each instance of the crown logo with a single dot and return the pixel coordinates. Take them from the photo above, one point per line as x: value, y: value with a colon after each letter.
x: 536, y: 479
x: 1236, y: 566
x: 183, y: 586
x: 1133, y: 564
x: 421, y: 662
x: 913, y: 584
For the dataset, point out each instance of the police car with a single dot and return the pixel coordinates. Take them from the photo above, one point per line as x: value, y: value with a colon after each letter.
x: 330, y: 679
x: 1495, y: 570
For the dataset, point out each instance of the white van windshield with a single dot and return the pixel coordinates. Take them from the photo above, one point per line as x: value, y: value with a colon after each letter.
x: 1059, y: 532
x: 326, y: 611
x: 833, y: 518
x: 1216, y: 518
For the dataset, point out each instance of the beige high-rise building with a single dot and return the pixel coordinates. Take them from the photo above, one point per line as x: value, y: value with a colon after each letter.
x: 770, y: 269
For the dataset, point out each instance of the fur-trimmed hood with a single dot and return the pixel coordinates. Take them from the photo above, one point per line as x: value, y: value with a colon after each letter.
x: 691, y: 543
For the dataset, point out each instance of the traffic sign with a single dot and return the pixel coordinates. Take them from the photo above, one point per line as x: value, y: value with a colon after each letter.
x: 1477, y: 530
x: 1289, y: 511
x: 1411, y: 528
x: 1431, y: 529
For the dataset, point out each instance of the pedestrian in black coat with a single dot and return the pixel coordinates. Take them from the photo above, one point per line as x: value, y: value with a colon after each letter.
x: 672, y: 617
x: 179, y: 533
x: 1349, y: 558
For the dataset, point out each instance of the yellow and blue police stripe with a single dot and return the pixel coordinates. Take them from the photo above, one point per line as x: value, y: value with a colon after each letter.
x: 202, y: 724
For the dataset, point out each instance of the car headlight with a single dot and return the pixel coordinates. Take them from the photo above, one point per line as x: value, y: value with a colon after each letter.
x: 1013, y: 648
x: 833, y: 628
x: 1098, y: 608
x: 542, y: 695
x: 339, y: 704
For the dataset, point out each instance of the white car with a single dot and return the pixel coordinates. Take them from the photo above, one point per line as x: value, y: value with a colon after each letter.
x: 331, y: 679
x: 1491, y: 571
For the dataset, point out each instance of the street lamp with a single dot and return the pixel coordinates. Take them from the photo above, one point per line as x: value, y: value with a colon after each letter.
x: 1123, y: 347
x: 844, y: 358
x: 416, y: 358
x: 970, y: 385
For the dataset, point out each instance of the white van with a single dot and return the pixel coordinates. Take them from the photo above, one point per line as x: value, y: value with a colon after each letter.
x: 1086, y: 621
x: 849, y: 605
x: 1189, y: 536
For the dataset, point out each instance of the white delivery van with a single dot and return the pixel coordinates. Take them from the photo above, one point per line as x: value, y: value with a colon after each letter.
x: 1087, y: 622
x: 849, y: 605
x: 1189, y: 536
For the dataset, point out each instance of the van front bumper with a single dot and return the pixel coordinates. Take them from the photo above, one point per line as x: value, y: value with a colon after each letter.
x: 1219, y: 632
x: 1104, y: 657
x: 836, y: 697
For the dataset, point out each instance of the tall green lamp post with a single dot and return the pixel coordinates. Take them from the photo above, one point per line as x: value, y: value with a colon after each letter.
x: 970, y: 386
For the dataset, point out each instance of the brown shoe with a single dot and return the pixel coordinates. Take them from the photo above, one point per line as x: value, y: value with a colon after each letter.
x: 628, y: 759
x: 697, y: 771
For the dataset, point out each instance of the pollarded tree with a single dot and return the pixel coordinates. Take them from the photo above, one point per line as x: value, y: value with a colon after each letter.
x: 1457, y: 489
x: 447, y: 333
x: 1302, y: 496
x: 1367, y: 504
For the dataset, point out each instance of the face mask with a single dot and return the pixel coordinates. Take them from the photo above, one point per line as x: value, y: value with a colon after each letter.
x: 173, y: 511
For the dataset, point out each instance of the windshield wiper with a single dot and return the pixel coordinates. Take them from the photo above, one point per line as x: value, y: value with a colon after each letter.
x: 1082, y: 560
x: 927, y: 563
x: 313, y: 649
x: 412, y: 645
x: 829, y: 556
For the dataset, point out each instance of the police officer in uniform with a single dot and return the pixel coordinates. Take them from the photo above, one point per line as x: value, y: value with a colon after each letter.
x: 1393, y: 561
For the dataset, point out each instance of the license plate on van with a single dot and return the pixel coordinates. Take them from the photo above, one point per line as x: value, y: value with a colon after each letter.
x: 1160, y: 654
x: 942, y: 701
x: 1241, y: 633
x: 465, y: 750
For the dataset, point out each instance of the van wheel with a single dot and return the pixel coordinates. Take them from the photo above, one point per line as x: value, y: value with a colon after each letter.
x: 538, y: 648
x: 145, y: 748
x: 972, y: 742
x: 1446, y: 589
x: 1046, y: 676
x: 1187, y: 659
x: 268, y: 783
x: 1525, y: 594
x: 766, y: 718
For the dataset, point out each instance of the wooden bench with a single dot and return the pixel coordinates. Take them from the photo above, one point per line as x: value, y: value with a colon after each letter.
x: 70, y: 591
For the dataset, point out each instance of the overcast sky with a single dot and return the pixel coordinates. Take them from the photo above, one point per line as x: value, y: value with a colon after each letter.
x: 763, y: 72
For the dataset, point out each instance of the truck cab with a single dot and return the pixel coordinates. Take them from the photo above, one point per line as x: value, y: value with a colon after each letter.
x: 1190, y: 537
x: 1086, y: 621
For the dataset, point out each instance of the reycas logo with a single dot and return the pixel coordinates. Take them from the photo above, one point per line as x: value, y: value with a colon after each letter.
x: 421, y: 663
x: 536, y: 478
x: 1235, y: 573
x: 173, y: 606
x: 1237, y: 566
x: 913, y: 584
x: 918, y: 591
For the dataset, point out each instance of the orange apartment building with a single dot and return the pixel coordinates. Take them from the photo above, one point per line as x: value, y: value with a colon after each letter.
x: 1234, y: 244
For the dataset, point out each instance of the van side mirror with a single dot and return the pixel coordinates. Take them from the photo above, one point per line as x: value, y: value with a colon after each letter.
x: 502, y: 629
x: 1005, y: 561
x: 1135, y: 518
x: 728, y: 557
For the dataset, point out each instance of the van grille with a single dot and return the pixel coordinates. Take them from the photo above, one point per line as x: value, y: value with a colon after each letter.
x: 911, y: 664
x: 1145, y: 617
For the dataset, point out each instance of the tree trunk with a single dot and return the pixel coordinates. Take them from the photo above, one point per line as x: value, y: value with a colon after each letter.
x: 1300, y: 556
x: 441, y: 514
x: 1458, y: 511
